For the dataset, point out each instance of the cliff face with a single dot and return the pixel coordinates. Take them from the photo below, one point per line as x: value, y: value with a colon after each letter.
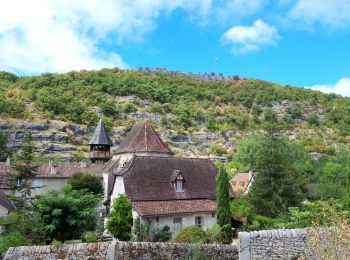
x: 68, y: 142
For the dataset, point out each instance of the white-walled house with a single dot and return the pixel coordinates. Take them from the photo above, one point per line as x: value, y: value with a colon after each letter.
x: 164, y: 190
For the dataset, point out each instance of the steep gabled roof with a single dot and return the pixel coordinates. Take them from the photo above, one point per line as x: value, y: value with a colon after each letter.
x: 149, y: 178
x: 143, y: 138
x: 101, y: 136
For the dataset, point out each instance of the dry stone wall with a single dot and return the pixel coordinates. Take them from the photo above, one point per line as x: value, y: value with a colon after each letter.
x: 71, y: 251
x: 117, y: 250
x: 273, y: 244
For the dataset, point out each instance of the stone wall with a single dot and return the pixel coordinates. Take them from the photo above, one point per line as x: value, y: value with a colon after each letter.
x: 273, y: 244
x: 117, y: 250
x: 71, y: 251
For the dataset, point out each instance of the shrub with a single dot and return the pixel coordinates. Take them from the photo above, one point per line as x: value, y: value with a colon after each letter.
x: 214, y: 234
x: 84, y: 181
x: 11, y: 240
x: 120, y: 219
x: 191, y: 234
x: 89, y: 237
x: 162, y: 235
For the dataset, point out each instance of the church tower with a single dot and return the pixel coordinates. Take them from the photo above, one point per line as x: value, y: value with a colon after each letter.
x: 100, y: 145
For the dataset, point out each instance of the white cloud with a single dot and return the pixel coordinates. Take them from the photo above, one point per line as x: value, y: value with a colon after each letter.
x: 246, y: 39
x: 342, y: 87
x: 62, y: 35
x: 333, y: 14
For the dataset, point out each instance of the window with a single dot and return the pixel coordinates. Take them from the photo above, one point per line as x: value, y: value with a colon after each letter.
x: 198, y: 221
x: 38, y: 183
x: 177, y: 225
x: 179, y: 185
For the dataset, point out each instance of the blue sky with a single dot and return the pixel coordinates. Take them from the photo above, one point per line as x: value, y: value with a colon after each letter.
x: 296, y: 42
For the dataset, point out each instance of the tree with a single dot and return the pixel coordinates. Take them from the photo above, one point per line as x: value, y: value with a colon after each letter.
x: 277, y: 185
x: 25, y: 171
x: 85, y: 181
x: 120, y: 219
x: 67, y: 213
x: 348, y: 174
x: 4, y: 151
x: 223, y: 204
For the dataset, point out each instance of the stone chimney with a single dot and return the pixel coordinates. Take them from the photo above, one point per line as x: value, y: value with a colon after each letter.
x: 8, y: 161
x: 83, y: 164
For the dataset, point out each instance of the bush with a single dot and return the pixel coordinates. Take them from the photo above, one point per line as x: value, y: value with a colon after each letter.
x: 84, y: 181
x: 120, y: 219
x: 89, y: 237
x: 163, y: 235
x: 11, y: 240
x: 191, y: 234
x: 214, y: 234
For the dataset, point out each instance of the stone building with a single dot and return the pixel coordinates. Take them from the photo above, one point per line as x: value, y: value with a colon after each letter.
x: 5, y: 205
x: 163, y: 189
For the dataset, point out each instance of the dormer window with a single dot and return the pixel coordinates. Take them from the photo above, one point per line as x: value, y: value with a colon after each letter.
x: 177, y: 181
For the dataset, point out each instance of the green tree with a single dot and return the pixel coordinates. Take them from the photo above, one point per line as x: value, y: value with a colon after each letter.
x: 223, y: 203
x: 67, y: 213
x: 4, y: 151
x: 120, y: 219
x: 25, y: 171
x: 331, y: 183
x: 277, y: 185
x: 85, y: 181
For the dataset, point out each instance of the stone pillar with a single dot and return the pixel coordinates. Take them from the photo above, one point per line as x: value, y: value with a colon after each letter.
x: 244, y: 245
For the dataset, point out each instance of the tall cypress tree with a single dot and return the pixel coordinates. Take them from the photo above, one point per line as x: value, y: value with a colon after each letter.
x: 277, y: 185
x: 348, y: 175
x: 223, y: 204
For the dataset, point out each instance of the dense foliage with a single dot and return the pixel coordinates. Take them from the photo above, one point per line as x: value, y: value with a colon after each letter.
x: 66, y: 214
x: 120, y: 218
x: 85, y: 181
x: 217, y: 105
x: 277, y: 185
x: 191, y: 234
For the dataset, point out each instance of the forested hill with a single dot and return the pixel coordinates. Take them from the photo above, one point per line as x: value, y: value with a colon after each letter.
x: 178, y: 103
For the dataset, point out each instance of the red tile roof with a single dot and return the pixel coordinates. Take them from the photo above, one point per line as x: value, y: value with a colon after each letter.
x: 143, y: 138
x: 155, y: 208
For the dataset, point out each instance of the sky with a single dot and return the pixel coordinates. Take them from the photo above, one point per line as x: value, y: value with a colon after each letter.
x: 303, y: 43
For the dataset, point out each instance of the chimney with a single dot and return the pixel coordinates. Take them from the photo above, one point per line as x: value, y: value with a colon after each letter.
x: 8, y: 161
x: 83, y: 164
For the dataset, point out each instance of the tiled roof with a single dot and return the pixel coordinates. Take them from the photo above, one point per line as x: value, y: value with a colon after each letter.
x: 60, y: 170
x: 149, y: 178
x: 100, y: 135
x: 156, y: 208
x: 143, y: 138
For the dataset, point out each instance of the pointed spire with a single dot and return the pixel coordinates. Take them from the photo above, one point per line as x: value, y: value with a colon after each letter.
x: 143, y: 138
x: 100, y: 135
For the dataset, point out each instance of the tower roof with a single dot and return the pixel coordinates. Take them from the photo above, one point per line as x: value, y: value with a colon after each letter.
x: 143, y: 138
x: 100, y: 135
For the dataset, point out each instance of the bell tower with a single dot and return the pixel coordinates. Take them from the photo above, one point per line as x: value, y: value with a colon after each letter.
x: 100, y: 145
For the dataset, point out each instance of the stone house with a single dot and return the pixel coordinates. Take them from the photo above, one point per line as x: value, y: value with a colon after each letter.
x: 50, y: 176
x: 163, y: 189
